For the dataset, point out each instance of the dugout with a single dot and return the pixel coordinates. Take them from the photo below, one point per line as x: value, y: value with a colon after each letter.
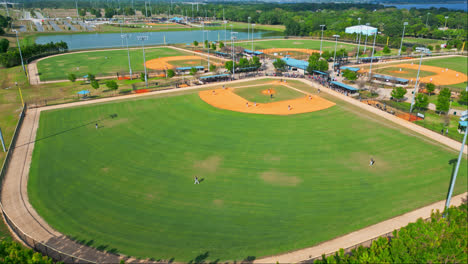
x: 353, y: 69
x: 343, y: 88
x: 253, y: 53
x: 215, y: 78
x: 320, y: 74
x: 222, y: 54
x: 392, y: 79
x: 187, y: 69
x: 369, y: 59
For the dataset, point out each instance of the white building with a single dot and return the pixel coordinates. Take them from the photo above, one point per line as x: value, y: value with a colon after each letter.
x: 363, y: 29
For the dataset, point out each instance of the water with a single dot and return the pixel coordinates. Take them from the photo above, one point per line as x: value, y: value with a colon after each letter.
x: 452, y: 6
x: 114, y: 40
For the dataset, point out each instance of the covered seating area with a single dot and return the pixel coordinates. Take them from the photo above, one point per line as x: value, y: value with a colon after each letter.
x: 187, y: 69
x: 392, y: 79
x: 222, y: 54
x: 215, y: 78
x: 343, y: 88
x: 353, y: 69
x: 253, y: 53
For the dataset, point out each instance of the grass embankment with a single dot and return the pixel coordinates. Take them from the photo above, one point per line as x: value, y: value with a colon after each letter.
x: 270, y: 184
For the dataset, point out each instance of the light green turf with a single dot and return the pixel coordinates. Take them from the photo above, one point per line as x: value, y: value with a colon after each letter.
x: 271, y: 184
x: 293, y: 43
x: 254, y: 94
x: 58, y: 67
x: 407, y: 73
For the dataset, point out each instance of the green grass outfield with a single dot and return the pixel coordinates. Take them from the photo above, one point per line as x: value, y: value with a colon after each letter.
x: 295, y: 43
x: 270, y: 184
x: 407, y: 73
x: 58, y: 67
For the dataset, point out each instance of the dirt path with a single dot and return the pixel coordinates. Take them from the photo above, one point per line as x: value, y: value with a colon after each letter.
x: 16, y: 205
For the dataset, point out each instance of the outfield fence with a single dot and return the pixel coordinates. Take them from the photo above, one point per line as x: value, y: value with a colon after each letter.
x: 38, y: 246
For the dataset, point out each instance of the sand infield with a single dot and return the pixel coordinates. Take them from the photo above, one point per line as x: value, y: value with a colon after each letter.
x: 442, y: 76
x: 277, y: 50
x: 228, y: 100
x: 164, y: 63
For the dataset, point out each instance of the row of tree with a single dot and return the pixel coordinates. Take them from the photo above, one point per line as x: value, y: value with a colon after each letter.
x: 4, y: 23
x: 243, y: 65
x: 442, y: 239
x: 12, y: 56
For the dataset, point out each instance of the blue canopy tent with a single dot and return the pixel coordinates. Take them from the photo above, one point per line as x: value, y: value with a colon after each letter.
x: 83, y: 92
x: 353, y: 69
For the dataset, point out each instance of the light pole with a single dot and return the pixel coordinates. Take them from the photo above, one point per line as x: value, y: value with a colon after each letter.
x: 321, y: 39
x: 445, y: 27
x: 402, y: 36
x: 19, y: 47
x: 248, y: 29
x: 76, y: 5
x: 142, y: 39
x: 334, y: 57
x: 203, y: 33
x: 422, y: 50
x: 253, y: 25
x: 367, y: 34
x: 225, y: 25
x: 427, y: 18
x: 125, y: 36
x: 372, y: 55
x: 233, y: 37
x: 359, y: 44
x: 208, y: 50
x: 454, y: 178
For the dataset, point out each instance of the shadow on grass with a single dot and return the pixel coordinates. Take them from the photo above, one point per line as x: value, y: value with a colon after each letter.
x: 112, y: 116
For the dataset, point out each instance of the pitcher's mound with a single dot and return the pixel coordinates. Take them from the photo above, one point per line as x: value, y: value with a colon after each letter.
x: 227, y: 99
x: 268, y: 91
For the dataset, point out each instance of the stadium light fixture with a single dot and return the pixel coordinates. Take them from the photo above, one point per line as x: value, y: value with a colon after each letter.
x: 372, y: 55
x: 19, y: 47
x: 334, y: 57
x: 402, y: 36
x: 142, y: 39
x: 423, y: 51
x: 367, y: 34
x: 125, y: 36
x: 321, y: 39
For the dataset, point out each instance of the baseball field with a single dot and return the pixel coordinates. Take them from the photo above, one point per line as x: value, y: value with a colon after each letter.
x: 448, y: 72
x: 268, y: 183
x: 105, y: 63
x: 284, y: 44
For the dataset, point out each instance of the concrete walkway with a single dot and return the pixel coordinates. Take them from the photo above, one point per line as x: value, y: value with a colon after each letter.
x: 16, y: 204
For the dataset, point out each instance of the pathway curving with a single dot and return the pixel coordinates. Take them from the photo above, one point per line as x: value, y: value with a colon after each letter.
x: 16, y: 204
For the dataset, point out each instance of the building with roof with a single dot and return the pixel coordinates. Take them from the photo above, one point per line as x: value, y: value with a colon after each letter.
x: 187, y: 69
x: 296, y: 65
x: 392, y: 79
x: 361, y: 29
x: 343, y: 87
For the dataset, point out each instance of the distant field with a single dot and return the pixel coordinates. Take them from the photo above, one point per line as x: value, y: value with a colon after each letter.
x: 404, y: 73
x: 291, y: 43
x: 58, y: 67
x: 270, y: 184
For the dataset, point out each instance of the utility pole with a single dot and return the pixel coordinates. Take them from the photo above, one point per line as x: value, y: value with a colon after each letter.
x: 233, y: 37
x: 359, y: 44
x: 445, y: 27
x: 427, y: 18
x: 253, y: 25
x: 422, y: 50
x: 125, y: 36
x: 367, y: 34
x: 19, y: 47
x: 6, y: 7
x: 321, y: 39
x: 76, y: 5
x: 334, y: 57
x: 372, y: 55
x: 142, y: 39
x: 402, y: 36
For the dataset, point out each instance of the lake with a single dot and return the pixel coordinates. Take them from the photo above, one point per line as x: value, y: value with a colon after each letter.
x: 452, y: 6
x: 114, y: 40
